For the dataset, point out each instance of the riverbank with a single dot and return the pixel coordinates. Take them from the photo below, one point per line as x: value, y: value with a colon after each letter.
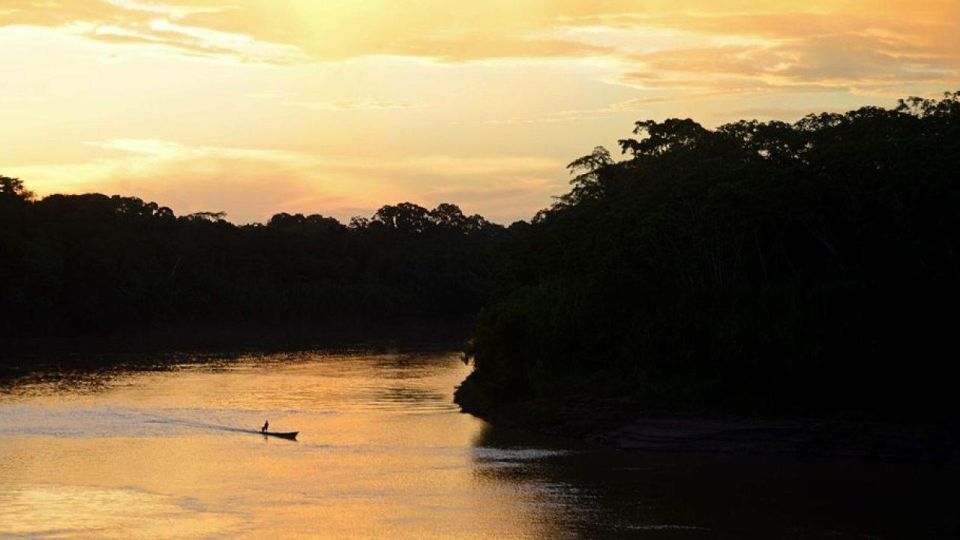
x: 626, y: 425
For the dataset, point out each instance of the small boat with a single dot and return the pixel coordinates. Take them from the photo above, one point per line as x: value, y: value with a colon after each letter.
x: 291, y: 435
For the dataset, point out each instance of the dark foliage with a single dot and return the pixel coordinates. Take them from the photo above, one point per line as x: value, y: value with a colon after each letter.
x: 93, y: 263
x: 768, y: 267
x: 763, y: 267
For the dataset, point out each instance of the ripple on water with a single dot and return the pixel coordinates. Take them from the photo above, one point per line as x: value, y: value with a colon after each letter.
x: 92, y: 422
x: 62, y: 510
x: 489, y: 453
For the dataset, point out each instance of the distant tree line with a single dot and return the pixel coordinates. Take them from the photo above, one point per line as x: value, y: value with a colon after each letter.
x: 760, y: 266
x: 93, y: 264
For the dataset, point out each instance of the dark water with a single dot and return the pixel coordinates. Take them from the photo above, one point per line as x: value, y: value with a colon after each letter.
x: 160, y: 453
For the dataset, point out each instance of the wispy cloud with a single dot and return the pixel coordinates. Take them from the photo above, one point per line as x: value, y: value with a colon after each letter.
x: 355, y: 105
x: 172, y: 11
x: 630, y: 106
x: 129, y: 22
x: 251, y: 184
x: 861, y: 44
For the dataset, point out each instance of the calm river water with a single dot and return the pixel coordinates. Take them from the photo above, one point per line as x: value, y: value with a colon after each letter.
x: 384, y: 453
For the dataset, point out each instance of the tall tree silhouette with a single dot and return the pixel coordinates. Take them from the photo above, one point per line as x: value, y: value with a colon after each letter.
x: 761, y: 265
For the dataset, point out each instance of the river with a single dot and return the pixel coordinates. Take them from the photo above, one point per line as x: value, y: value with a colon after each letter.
x: 153, y: 451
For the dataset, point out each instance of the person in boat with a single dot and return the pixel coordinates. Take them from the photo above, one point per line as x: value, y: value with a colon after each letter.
x: 266, y: 424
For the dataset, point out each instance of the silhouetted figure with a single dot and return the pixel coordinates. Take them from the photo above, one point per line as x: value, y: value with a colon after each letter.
x: 266, y: 424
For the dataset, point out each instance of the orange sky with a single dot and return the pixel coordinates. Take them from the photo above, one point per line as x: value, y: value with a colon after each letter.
x: 337, y: 107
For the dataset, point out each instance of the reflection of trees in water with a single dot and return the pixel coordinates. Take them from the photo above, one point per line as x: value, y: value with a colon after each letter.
x: 558, y: 495
x: 385, y: 380
x: 48, y: 383
x: 408, y: 395
x: 95, y: 373
x: 410, y: 366
x: 604, y: 493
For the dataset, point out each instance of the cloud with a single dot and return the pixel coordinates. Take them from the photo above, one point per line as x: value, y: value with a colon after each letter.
x: 573, y: 115
x: 879, y: 38
x: 172, y: 11
x: 779, y: 113
x: 251, y: 184
x: 127, y: 22
x: 861, y: 44
x: 354, y: 105
x: 629, y: 107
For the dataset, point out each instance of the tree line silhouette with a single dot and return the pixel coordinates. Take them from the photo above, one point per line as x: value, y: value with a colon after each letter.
x: 94, y: 264
x: 761, y: 266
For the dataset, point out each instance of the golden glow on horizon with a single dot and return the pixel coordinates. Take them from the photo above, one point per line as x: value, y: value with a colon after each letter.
x: 337, y: 107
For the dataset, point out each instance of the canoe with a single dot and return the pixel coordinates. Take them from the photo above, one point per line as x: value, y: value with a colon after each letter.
x: 292, y: 435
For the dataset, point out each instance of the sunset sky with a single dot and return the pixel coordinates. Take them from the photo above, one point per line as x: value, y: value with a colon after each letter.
x: 337, y: 107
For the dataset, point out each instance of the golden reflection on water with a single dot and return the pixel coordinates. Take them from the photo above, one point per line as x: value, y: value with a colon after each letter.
x: 382, y: 452
x: 77, y: 511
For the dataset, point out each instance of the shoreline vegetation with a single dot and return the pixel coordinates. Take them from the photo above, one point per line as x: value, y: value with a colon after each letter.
x: 757, y: 288
x: 756, y: 270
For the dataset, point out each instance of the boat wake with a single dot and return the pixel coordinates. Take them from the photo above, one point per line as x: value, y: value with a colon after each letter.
x: 82, y: 422
x: 157, y: 419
